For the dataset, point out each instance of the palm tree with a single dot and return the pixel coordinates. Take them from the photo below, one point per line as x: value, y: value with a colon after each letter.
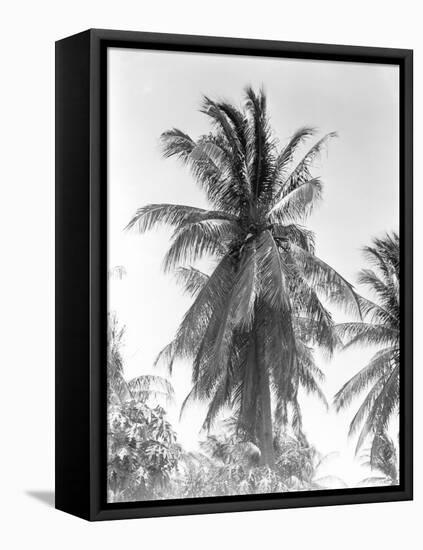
x: 239, y: 332
x: 381, y: 328
x: 141, y: 388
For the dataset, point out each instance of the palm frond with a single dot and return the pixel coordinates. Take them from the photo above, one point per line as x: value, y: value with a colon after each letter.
x: 313, y: 321
x: 380, y: 364
x: 279, y: 351
x: 384, y: 254
x: 147, y: 385
x: 195, y: 240
x: 297, y: 419
x: 298, y: 203
x: 244, y: 399
x: 238, y: 312
x: 286, y: 156
x: 313, y: 332
x: 246, y: 288
x: 273, y: 273
x: 376, y: 313
x: 167, y: 356
x: 221, y: 398
x: 210, y: 162
x: 326, y: 280
x: 176, y: 143
x: 195, y: 322
x: 176, y: 215
x: 294, y: 233
x: 191, y: 279
x: 307, y: 378
x: 191, y: 396
x: 305, y: 357
x: 382, y: 408
x: 365, y: 406
x: 259, y: 146
x: 386, y: 290
x: 212, y: 109
x: 236, y: 118
x: 210, y: 151
x: 301, y: 172
x: 369, y: 334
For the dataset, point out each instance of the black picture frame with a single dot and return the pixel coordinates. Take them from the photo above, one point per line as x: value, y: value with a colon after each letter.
x: 81, y: 272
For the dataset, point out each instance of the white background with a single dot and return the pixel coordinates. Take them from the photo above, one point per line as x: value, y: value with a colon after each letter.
x: 29, y: 30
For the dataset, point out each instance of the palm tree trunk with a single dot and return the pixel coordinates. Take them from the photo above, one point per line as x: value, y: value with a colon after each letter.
x: 265, y: 425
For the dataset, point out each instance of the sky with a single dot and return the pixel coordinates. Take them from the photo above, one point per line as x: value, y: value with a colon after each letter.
x: 150, y: 92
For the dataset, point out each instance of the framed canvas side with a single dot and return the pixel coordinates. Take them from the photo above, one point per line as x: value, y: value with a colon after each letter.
x: 72, y: 324
x: 81, y: 273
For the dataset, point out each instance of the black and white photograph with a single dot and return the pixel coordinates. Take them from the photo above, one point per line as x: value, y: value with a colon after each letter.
x: 253, y: 275
x: 210, y: 241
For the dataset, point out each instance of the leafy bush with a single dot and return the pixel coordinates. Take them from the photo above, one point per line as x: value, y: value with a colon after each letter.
x: 229, y: 466
x: 142, y: 452
x: 142, y: 448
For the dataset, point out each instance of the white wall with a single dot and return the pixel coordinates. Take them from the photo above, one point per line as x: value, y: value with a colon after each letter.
x: 29, y: 30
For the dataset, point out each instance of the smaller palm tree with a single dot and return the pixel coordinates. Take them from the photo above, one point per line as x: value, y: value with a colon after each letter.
x: 380, y: 328
x: 141, y: 388
x: 116, y: 272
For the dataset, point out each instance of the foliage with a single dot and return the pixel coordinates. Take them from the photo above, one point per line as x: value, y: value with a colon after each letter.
x: 228, y: 466
x: 249, y: 330
x: 142, y: 452
x: 382, y: 457
x: 142, y: 447
x: 117, y: 272
x: 381, y: 328
x: 142, y: 387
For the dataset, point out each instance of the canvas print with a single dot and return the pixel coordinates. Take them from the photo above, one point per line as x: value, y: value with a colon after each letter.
x: 253, y: 275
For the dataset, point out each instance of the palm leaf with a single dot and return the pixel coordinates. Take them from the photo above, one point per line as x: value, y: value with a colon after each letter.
x: 286, y: 156
x: 382, y: 407
x: 273, y: 273
x: 259, y: 146
x: 301, y: 172
x: 298, y: 203
x: 365, y: 407
x: 195, y: 322
x: 380, y: 363
x: 191, y: 279
x: 145, y: 386
x: 310, y: 384
x: 176, y: 143
x: 376, y: 313
x: 366, y: 334
x: 151, y: 215
x: 193, y: 241
x: 325, y: 279
x: 294, y: 233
